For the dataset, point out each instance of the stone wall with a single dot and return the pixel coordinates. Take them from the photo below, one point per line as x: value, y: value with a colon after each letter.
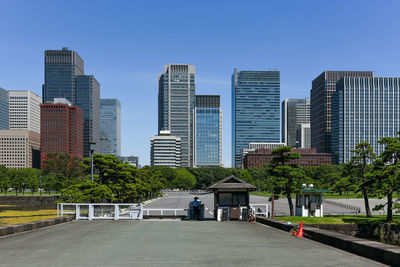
x: 29, y: 202
x: 388, y: 233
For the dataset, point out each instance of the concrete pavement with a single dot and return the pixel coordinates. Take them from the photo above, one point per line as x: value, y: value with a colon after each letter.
x: 186, y: 243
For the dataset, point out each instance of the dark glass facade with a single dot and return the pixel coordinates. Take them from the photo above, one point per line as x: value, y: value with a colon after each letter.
x: 176, y: 101
x: 87, y: 98
x: 4, y: 109
x: 61, y: 68
x: 255, y: 110
x: 323, y: 87
x: 294, y: 113
x: 110, y: 127
x: 208, y: 131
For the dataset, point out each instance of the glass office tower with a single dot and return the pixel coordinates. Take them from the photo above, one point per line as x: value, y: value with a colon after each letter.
x: 4, y: 109
x: 294, y: 113
x: 208, y: 131
x: 60, y: 69
x: 176, y: 100
x: 255, y: 110
x: 322, y: 90
x: 110, y: 127
x: 364, y: 110
x: 87, y: 98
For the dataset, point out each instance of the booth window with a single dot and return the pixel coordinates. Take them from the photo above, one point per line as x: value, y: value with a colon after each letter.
x: 232, y: 199
x: 225, y: 199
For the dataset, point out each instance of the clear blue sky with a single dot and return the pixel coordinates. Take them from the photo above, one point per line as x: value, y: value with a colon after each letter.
x: 126, y: 43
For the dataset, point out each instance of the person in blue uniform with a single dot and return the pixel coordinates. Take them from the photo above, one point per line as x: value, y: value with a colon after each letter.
x: 196, y: 208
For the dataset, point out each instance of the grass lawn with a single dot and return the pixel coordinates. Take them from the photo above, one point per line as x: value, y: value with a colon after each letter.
x: 10, y: 215
x: 338, y: 219
x: 44, y: 194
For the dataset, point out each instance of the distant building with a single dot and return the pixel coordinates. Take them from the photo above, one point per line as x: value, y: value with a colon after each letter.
x: 303, y: 135
x: 3, y: 109
x: 60, y: 69
x: 110, y: 127
x: 255, y: 110
x: 165, y: 150
x: 254, y: 146
x: 208, y: 131
x: 309, y: 157
x: 19, y: 149
x: 364, y: 110
x: 24, y: 110
x: 64, y: 78
x: 131, y: 160
x: 323, y: 87
x: 87, y: 98
x: 62, y: 129
x: 294, y: 113
x: 176, y: 102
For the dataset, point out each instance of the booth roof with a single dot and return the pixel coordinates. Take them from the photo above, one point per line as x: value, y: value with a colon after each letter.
x: 232, y: 182
x: 314, y: 191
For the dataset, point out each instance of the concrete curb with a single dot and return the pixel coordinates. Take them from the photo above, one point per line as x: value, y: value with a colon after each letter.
x: 377, y: 251
x: 18, y: 228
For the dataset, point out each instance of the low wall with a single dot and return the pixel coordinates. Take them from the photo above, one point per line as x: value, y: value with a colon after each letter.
x: 384, y: 253
x: 18, y: 228
x: 39, y: 202
x: 388, y: 233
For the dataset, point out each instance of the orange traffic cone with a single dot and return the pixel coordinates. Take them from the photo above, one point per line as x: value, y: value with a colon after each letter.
x: 300, y: 232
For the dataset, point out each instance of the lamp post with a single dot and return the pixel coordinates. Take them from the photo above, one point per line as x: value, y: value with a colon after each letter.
x: 92, y: 147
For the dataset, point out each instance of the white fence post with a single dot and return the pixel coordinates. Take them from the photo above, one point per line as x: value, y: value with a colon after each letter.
x: 116, y: 209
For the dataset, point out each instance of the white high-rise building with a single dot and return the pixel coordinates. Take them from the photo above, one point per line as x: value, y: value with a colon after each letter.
x: 165, y: 150
x: 24, y: 110
x: 303, y: 135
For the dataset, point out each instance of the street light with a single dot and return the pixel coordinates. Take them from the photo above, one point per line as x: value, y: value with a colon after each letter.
x: 92, y: 147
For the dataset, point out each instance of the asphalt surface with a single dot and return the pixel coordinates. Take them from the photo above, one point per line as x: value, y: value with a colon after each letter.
x: 181, y: 200
x: 166, y: 243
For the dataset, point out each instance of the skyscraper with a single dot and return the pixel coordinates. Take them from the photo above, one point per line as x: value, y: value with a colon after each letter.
x: 294, y: 113
x: 364, y: 110
x: 165, y: 150
x: 110, y: 127
x: 255, y: 110
x: 24, y: 110
x: 208, y: 131
x: 61, y: 129
x: 60, y: 69
x: 3, y: 109
x: 322, y: 89
x: 87, y: 98
x: 176, y: 101
x: 64, y: 78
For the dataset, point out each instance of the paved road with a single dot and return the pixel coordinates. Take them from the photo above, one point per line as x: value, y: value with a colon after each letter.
x: 180, y: 200
x: 166, y: 243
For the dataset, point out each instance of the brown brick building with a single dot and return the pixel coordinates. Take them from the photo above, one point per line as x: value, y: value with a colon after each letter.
x: 309, y: 157
x: 61, y: 129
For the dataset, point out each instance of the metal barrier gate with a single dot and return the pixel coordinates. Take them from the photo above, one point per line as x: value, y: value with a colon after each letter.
x: 92, y: 211
x: 260, y: 209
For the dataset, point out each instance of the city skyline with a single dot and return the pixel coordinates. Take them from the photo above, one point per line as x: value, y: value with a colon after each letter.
x: 127, y: 61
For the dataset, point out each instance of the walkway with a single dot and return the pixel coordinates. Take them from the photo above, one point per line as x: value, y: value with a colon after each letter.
x: 166, y: 243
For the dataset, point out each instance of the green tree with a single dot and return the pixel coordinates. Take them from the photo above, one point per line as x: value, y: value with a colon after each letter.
x: 284, y: 175
x: 360, y: 164
x: 67, y: 170
x: 32, y: 179
x: 87, y: 192
x: 5, y: 182
x: 184, y: 179
x: 387, y: 172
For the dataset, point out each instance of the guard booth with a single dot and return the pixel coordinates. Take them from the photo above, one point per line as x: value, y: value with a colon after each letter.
x: 231, y: 199
x: 309, y: 202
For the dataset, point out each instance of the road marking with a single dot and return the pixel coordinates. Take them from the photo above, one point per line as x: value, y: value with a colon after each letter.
x: 211, y: 212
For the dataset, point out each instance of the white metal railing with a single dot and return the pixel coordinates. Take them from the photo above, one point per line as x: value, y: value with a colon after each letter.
x: 165, y: 212
x: 90, y: 211
x: 260, y: 209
